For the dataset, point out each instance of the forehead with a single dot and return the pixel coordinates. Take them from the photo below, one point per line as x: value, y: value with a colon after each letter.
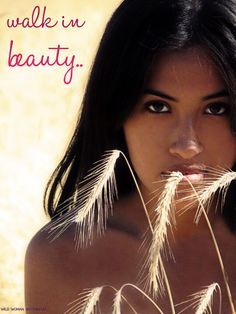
x: 188, y: 70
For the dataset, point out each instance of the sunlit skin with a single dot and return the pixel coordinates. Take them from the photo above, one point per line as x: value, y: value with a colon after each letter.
x: 182, y: 120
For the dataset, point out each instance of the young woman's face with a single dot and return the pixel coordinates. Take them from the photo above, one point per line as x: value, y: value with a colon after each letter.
x: 181, y: 123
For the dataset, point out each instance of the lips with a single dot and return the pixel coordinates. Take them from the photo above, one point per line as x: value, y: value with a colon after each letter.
x: 193, y: 173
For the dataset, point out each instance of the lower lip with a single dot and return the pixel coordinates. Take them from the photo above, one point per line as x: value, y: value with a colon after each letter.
x: 193, y: 178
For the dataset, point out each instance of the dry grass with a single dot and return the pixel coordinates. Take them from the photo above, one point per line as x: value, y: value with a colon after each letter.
x: 201, y: 301
x: 164, y: 219
x: 37, y: 119
x: 95, y: 195
x: 86, y: 303
x: 88, y: 300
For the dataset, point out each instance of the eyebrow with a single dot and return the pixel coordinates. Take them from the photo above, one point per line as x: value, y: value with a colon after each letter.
x: 155, y: 92
x: 223, y: 93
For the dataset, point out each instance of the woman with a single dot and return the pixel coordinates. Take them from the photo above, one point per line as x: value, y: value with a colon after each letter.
x: 161, y: 90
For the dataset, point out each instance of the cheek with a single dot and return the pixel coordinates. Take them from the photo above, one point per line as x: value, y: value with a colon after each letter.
x: 145, y: 149
x: 220, y: 144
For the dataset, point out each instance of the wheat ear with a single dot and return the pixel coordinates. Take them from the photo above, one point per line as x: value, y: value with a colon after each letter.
x: 100, y: 184
x: 220, y: 182
x: 163, y: 276
x: 91, y: 202
x: 86, y: 303
x: 163, y: 221
x: 116, y: 306
x: 206, y: 298
x: 203, y: 211
x: 202, y: 300
x: 117, y: 303
x: 117, y: 299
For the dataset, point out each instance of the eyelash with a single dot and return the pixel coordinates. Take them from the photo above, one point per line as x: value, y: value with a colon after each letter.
x: 153, y: 103
x: 222, y: 105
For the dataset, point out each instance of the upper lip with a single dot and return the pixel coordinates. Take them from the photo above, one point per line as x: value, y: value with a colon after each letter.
x: 187, y: 169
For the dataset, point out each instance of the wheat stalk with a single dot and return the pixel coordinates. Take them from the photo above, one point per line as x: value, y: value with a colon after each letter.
x: 202, y: 300
x: 97, y: 192
x: 205, y: 299
x: 164, y: 217
x: 91, y: 202
x: 163, y: 277
x: 118, y: 298
x: 222, y: 183
x: 117, y: 303
x: 86, y: 303
x: 203, y: 211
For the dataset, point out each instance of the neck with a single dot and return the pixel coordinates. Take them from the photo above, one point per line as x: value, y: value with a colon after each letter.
x: 187, y: 225
x: 129, y: 214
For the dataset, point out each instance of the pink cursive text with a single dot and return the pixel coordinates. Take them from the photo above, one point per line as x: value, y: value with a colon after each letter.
x: 36, y: 20
x: 39, y: 19
x: 17, y: 59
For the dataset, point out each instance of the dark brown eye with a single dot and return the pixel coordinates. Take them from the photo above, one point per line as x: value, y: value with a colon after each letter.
x: 217, y: 109
x: 158, y: 107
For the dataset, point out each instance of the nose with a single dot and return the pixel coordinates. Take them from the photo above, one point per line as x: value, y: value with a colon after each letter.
x: 186, y: 144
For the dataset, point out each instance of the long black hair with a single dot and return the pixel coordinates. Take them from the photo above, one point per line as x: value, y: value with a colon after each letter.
x: 136, y: 33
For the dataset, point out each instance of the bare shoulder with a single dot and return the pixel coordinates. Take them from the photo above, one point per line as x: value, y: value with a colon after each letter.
x: 43, y: 247
x: 55, y: 272
x: 47, y: 276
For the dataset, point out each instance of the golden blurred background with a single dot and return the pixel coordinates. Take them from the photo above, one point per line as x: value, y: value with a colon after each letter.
x: 38, y: 114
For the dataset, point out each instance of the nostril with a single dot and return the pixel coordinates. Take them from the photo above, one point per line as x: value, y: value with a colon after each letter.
x: 186, y: 150
x: 185, y: 141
